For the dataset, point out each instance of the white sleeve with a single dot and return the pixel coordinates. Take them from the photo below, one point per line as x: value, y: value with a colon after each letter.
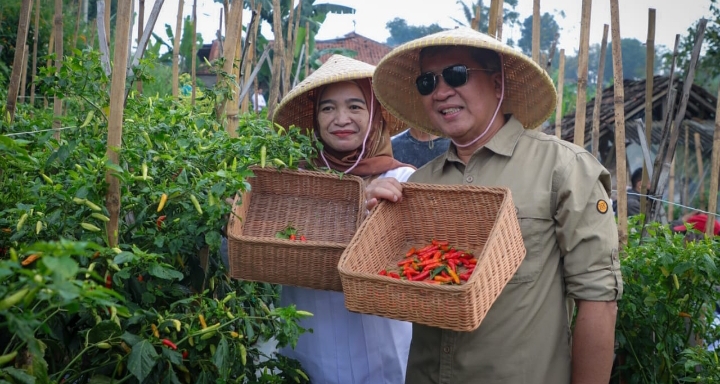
x: 400, y: 174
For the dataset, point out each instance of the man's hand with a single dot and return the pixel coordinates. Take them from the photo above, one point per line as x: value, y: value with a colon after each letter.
x: 387, y: 188
x: 593, y: 342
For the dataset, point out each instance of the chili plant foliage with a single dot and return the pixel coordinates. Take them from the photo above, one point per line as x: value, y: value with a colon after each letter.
x: 160, y: 307
x: 665, y: 318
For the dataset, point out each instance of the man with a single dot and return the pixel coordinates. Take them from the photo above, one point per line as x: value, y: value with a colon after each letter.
x: 258, y: 101
x: 416, y: 147
x: 633, y: 196
x: 486, y: 98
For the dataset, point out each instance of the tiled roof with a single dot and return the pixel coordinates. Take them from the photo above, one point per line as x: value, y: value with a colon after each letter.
x: 368, y: 50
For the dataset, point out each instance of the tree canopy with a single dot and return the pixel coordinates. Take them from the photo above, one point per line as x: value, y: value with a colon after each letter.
x: 401, y: 32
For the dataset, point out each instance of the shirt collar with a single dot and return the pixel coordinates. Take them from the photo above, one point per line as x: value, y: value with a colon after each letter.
x: 503, y: 143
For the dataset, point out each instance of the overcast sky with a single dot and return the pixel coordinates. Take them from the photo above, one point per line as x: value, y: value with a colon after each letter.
x: 673, y: 17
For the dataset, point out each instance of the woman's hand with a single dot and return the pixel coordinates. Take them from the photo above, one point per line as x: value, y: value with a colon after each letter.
x: 387, y: 188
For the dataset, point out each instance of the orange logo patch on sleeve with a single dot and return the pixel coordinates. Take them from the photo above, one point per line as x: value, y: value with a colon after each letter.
x: 602, y: 206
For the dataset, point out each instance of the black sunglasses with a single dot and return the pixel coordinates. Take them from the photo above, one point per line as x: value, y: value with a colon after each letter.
x: 454, y: 76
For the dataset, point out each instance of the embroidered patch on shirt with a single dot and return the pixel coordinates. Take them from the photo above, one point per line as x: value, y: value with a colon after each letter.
x: 602, y: 206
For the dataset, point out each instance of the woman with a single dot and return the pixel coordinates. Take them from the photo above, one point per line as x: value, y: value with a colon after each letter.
x: 338, y: 103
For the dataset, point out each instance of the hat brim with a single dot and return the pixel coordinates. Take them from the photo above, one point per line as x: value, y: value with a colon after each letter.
x: 530, y: 94
x: 297, y: 107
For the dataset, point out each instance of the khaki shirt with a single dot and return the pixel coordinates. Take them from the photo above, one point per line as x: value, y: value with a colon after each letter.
x: 561, y: 195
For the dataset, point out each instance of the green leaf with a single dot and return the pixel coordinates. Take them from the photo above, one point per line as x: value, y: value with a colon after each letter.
x: 220, y: 357
x: 100, y: 379
x: 103, y: 331
x: 142, y: 360
x: 131, y: 339
x: 124, y: 257
x: 174, y: 357
x: 171, y: 377
x: 436, y: 271
x: 166, y: 273
x: 63, y: 267
x: 20, y: 375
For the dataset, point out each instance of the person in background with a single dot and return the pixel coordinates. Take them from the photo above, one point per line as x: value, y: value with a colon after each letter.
x: 337, y: 105
x: 258, y: 101
x: 488, y: 99
x: 416, y: 147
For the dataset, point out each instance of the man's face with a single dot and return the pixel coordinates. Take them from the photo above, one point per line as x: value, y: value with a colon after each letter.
x: 343, y: 116
x: 464, y: 112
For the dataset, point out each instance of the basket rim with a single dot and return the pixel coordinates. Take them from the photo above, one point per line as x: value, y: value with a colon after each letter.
x: 277, y: 241
x: 472, y: 280
x: 306, y: 172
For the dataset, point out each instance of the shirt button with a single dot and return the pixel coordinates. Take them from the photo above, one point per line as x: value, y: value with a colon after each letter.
x: 446, y: 349
x: 469, y: 179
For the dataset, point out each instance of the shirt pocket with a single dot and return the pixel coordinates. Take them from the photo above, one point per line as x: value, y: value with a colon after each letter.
x: 537, y: 231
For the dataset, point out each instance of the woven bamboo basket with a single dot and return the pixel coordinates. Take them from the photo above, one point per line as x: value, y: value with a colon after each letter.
x: 476, y: 219
x: 326, y: 208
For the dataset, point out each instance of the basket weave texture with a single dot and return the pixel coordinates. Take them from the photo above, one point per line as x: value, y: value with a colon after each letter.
x: 476, y: 219
x: 325, y: 208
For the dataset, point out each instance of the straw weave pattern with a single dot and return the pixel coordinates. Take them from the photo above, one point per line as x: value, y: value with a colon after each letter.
x: 477, y: 219
x: 323, y: 207
x: 529, y: 92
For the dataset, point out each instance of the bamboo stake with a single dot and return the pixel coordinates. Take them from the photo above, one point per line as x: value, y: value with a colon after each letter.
x: 649, y: 74
x: 581, y: 103
x: 551, y: 54
x: 36, y: 37
x: 499, y: 22
x: 492, y: 18
x: 193, y: 59
x: 117, y: 106
x: 536, y: 32
x: 671, y: 193
x: 230, y: 46
x: 686, y: 175
x: 559, y: 105
x: 278, y: 53
x: 307, y: 48
x: 141, y: 25
x: 714, y: 175
x: 176, y: 51
x: 239, y: 57
x: 57, y: 101
x: 22, y: 32
x: 226, y: 12
x: 621, y: 170
x: 251, y: 47
x: 77, y: 24
x: 700, y: 169
x: 475, y: 21
x: 289, y: 51
x: 219, y: 35
x: 23, y: 76
x: 598, y: 95
x: 108, y: 9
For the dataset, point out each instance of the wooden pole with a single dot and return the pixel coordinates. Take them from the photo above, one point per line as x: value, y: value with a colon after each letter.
x: 289, y: 51
x: 176, y: 50
x: 492, y: 18
x: 671, y: 193
x: 234, y: 34
x: 559, y: 105
x: 307, y: 48
x: 714, y: 174
x: 649, y: 74
x: 22, y: 32
x: 548, y: 63
x: 36, y: 37
x: 499, y: 20
x: 23, y: 76
x: 143, y: 40
x: 278, y: 53
x: 700, y: 169
x: 140, y: 26
x: 686, y: 171
x: 621, y: 167
x: 57, y: 101
x: 598, y: 95
x: 48, y: 63
x: 193, y: 59
x: 115, y: 121
x: 475, y: 21
x: 108, y: 9
x: 103, y: 38
x: 581, y: 103
x: 536, y: 32
x: 248, y: 62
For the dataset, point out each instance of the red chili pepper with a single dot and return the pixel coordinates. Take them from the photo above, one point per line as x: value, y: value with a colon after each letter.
x: 302, y: 238
x: 169, y: 344
x: 383, y: 272
x: 185, y: 354
x: 410, y: 252
x: 465, y: 276
x: 108, y: 281
x: 428, y: 262
x: 444, y: 248
x: 393, y: 275
x: 292, y: 237
x: 452, y: 264
x: 424, y: 249
x: 430, y: 267
x: 444, y: 274
x: 443, y: 279
x: 405, y: 262
x: 451, y: 255
x: 422, y: 276
x: 409, y: 272
x: 472, y: 261
x: 140, y: 278
x: 429, y: 249
x: 159, y: 221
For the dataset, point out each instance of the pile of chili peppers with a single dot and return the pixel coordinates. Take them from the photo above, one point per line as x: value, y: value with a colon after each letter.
x: 435, y: 263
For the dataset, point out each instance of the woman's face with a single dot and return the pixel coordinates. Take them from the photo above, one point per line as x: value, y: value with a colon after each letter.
x: 343, y: 116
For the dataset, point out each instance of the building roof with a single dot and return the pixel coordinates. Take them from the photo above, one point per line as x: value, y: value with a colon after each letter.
x: 368, y: 50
